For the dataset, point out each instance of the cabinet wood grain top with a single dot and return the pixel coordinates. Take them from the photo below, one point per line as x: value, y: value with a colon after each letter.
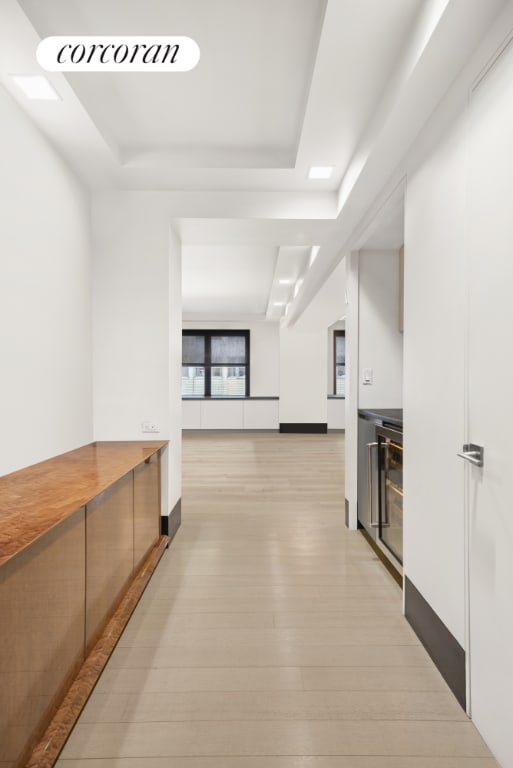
x: 35, y: 499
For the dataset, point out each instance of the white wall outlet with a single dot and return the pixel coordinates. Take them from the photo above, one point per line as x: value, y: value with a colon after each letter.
x: 149, y: 426
x: 367, y: 376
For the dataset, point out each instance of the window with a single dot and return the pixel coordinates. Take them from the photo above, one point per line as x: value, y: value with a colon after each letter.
x: 215, y: 363
x: 339, y: 362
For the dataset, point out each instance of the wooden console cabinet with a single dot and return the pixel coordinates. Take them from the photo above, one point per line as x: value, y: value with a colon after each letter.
x: 74, y: 531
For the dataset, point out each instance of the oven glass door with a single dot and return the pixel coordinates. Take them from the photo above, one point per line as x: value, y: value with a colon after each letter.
x: 391, y: 495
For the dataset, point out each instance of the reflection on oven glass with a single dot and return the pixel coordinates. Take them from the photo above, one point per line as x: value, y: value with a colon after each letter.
x: 392, y: 502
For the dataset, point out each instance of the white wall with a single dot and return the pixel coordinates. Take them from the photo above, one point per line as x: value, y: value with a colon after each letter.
x: 175, y: 373
x: 137, y: 324
x: 434, y: 533
x: 454, y: 191
x: 45, y: 304
x: 264, y: 353
x: 303, y: 376
x: 307, y: 358
x: 433, y: 381
x: 380, y: 342
x: 336, y: 413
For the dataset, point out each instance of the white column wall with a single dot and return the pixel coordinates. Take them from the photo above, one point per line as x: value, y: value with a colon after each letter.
x: 137, y: 324
x: 380, y: 341
x: 303, y: 363
x: 265, y: 359
x: 45, y: 298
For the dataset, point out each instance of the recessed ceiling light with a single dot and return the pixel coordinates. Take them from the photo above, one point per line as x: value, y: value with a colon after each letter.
x: 36, y: 87
x: 278, y: 303
x: 321, y: 171
x: 285, y: 281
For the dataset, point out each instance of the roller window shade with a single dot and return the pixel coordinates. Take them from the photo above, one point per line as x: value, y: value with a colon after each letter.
x: 228, y: 350
x: 193, y: 350
x: 340, y: 350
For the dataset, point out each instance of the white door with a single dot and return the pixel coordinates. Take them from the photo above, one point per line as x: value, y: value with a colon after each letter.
x: 489, y: 498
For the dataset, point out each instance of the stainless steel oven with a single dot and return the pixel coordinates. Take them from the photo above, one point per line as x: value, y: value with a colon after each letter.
x: 380, y: 482
x: 390, y: 490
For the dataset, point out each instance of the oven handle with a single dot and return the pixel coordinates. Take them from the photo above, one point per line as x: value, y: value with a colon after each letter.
x: 370, y: 446
x: 383, y: 510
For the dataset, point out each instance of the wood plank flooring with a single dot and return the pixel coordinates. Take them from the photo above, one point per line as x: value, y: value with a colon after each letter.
x: 270, y: 636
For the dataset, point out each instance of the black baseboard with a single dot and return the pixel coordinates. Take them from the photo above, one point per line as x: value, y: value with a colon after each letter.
x: 442, y: 646
x: 312, y: 428
x: 169, y: 524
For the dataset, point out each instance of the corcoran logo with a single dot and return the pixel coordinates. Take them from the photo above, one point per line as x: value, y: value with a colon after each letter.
x: 118, y: 54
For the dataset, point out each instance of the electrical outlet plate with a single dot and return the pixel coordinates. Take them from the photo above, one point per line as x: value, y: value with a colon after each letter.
x: 149, y: 426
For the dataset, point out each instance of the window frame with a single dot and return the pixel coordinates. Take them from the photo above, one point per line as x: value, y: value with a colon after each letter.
x: 336, y: 334
x: 208, y: 361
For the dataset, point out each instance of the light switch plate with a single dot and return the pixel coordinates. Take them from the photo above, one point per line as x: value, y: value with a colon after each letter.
x: 367, y: 376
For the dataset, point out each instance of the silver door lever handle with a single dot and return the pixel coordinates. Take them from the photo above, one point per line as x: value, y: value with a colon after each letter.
x: 473, y: 454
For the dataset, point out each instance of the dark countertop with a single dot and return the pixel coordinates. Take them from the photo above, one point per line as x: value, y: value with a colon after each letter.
x: 383, y: 416
x: 242, y: 397
x: 230, y: 397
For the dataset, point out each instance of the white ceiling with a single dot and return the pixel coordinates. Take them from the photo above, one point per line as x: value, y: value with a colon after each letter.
x: 281, y: 85
x: 241, y: 107
x: 207, y: 268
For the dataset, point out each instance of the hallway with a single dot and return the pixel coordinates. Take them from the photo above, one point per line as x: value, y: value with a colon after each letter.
x: 270, y: 636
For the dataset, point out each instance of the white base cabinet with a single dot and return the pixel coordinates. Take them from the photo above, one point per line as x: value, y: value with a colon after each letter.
x: 230, y: 414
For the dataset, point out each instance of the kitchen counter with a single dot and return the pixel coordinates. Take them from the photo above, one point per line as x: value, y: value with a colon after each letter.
x: 383, y: 416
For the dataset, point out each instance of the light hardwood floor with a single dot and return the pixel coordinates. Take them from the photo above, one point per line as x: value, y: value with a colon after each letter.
x: 270, y: 636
